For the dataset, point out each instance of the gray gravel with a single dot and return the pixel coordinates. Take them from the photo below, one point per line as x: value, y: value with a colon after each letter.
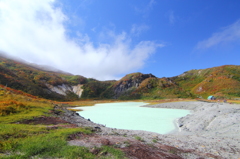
x: 210, y: 128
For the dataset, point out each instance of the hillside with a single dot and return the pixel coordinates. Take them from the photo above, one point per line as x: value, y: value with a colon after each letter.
x: 46, y: 84
x: 223, y: 82
x: 35, y: 127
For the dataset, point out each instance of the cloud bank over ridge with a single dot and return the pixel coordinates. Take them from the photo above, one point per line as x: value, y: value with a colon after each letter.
x: 36, y: 31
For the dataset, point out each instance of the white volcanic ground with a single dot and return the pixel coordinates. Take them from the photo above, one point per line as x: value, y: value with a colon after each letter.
x: 212, y: 130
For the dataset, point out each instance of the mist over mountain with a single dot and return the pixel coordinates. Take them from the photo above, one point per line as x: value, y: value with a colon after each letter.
x: 40, y: 67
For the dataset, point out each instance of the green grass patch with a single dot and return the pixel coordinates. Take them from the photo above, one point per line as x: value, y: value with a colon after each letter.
x: 114, y: 153
x: 11, y: 133
x: 154, y: 140
x: 27, y: 114
x: 28, y: 141
x: 139, y: 138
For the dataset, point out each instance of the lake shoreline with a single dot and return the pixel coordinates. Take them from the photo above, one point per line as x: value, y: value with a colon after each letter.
x: 134, y: 116
x: 212, y: 130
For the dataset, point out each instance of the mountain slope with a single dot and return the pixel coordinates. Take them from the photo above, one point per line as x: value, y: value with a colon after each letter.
x: 220, y: 81
x: 37, y: 82
x: 223, y: 81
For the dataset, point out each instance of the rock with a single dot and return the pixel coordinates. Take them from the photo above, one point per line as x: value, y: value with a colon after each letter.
x: 180, y: 125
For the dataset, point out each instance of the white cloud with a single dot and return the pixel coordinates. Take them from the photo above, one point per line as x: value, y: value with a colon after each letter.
x: 171, y: 17
x: 138, y: 29
x: 146, y: 8
x: 228, y: 34
x: 35, y: 31
x: 150, y: 4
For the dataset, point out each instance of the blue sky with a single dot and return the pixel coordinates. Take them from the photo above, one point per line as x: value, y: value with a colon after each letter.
x: 108, y: 39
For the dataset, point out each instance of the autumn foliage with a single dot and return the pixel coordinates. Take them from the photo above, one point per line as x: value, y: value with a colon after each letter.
x: 223, y: 81
x: 11, y: 107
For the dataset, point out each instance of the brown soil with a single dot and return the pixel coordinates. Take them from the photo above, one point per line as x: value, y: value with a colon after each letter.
x: 133, y: 148
x: 48, y: 121
x: 142, y: 151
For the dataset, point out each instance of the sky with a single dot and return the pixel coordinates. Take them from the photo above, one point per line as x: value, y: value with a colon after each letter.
x: 106, y: 39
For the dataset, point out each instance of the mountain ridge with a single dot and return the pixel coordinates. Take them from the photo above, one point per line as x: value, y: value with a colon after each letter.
x: 222, y: 81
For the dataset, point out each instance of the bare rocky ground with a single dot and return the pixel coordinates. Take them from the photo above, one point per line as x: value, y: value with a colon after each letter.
x: 210, y: 131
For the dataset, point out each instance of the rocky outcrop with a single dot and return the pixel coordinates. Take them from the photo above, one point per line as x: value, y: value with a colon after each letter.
x: 60, y: 89
x: 130, y: 82
x: 64, y: 88
x: 78, y: 90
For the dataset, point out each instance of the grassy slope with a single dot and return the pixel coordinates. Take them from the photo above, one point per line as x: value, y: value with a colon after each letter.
x: 94, y: 89
x: 223, y: 81
x: 32, y: 80
x: 26, y: 141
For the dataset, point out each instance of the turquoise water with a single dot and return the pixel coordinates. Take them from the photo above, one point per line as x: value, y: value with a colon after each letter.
x: 129, y: 115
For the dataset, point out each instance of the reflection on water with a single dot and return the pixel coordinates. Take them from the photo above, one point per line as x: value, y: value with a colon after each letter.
x: 129, y: 115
